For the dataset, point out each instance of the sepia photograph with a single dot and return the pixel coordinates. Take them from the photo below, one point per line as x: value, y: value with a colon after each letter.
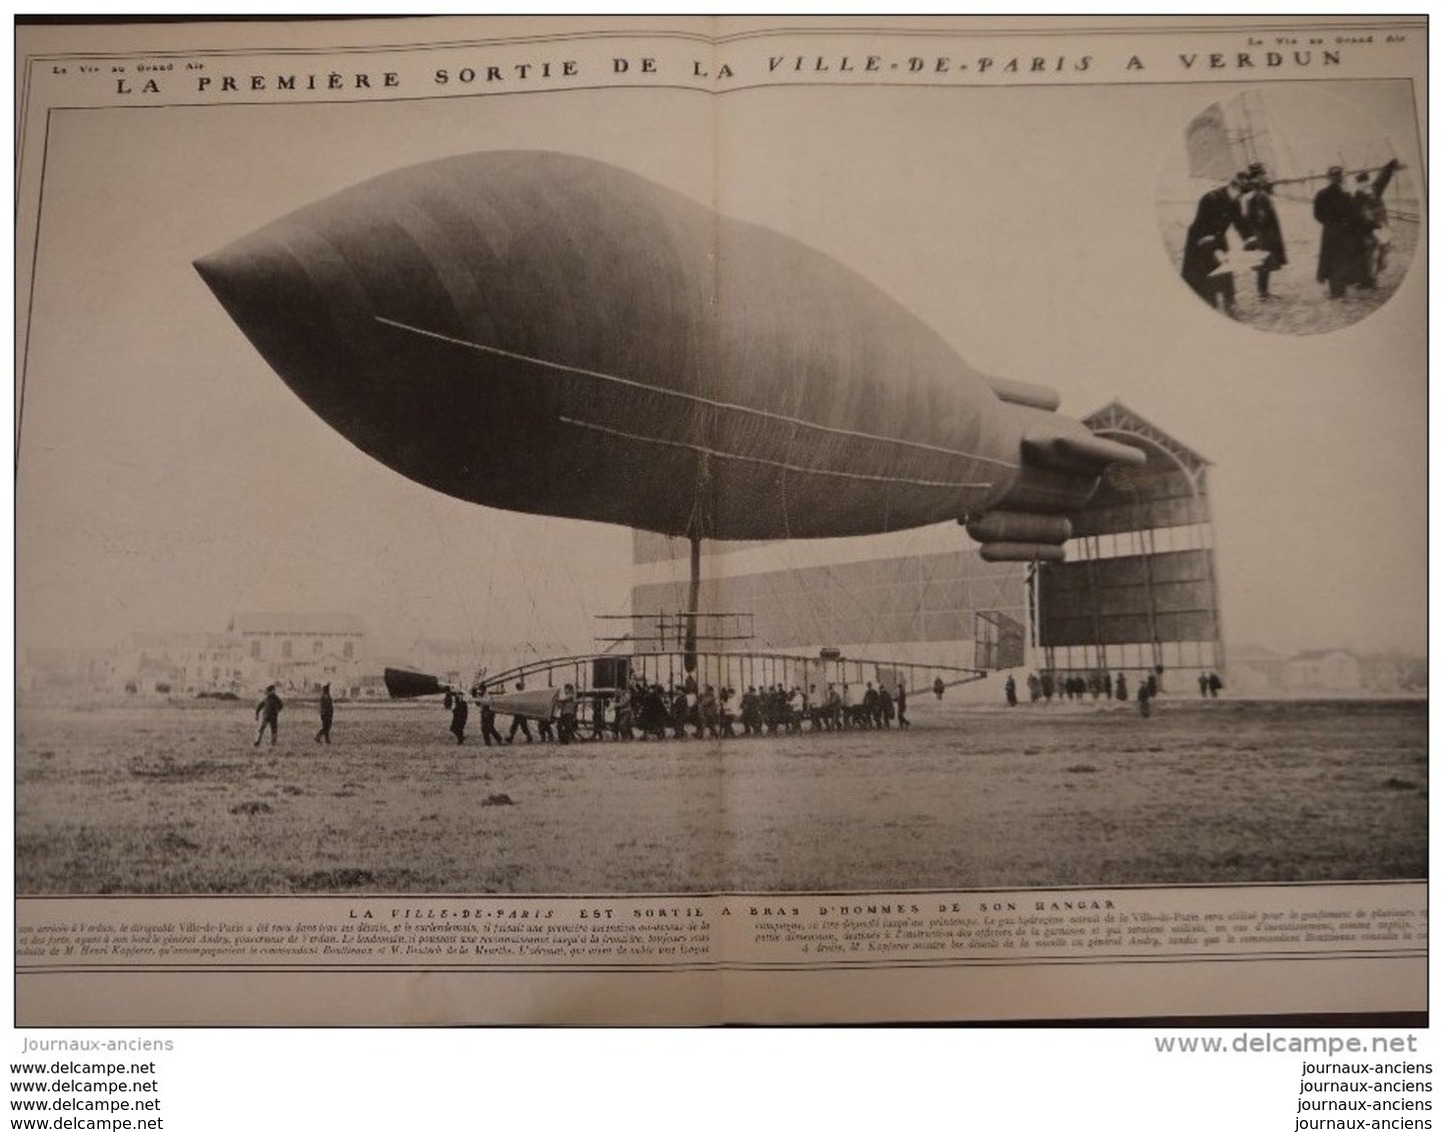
x: 515, y: 468
x: 1323, y: 212
x: 527, y: 520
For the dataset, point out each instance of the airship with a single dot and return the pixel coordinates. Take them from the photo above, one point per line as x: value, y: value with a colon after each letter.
x: 545, y: 333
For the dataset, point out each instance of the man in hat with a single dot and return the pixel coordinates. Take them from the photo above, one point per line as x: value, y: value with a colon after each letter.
x: 1372, y: 216
x: 455, y: 702
x: 488, y: 715
x: 1206, y: 245
x: 566, y: 715
x: 1267, y: 229
x: 1340, y: 251
x: 328, y: 713
x: 518, y: 722
x: 268, y: 711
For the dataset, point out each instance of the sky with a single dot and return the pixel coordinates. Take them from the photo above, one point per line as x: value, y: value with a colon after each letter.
x: 167, y: 478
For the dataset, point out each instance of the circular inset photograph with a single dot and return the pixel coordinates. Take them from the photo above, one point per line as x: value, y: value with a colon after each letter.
x: 1295, y: 208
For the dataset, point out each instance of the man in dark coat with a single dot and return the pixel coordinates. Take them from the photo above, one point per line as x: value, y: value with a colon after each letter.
x: 488, y: 715
x: 1340, y: 252
x: 566, y: 716
x: 1144, y: 698
x: 680, y: 712
x: 751, y: 705
x: 1372, y: 220
x: 654, y: 716
x: 328, y: 713
x: 268, y: 711
x: 1262, y: 217
x: 459, y: 713
x: 518, y: 722
x: 871, y: 707
x: 1207, y: 241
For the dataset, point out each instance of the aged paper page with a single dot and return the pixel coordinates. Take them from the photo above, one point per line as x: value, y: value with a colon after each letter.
x: 396, y: 365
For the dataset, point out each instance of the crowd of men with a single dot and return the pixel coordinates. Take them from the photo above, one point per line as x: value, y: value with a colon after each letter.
x: 1043, y: 687
x: 651, y: 711
x: 1354, y: 239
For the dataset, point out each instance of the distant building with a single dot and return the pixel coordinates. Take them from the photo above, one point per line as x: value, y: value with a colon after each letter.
x: 300, y: 651
x: 1323, y: 670
x: 65, y: 671
x: 1256, y: 671
x: 1391, y: 672
x: 177, y: 664
x: 368, y: 686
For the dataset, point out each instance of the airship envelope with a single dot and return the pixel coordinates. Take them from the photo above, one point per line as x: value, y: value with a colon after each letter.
x: 551, y: 334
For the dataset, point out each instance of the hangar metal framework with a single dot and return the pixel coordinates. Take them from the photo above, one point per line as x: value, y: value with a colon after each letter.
x: 1139, y: 590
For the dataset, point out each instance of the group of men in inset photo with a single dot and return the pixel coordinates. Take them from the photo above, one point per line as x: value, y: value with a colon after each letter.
x: 1236, y: 237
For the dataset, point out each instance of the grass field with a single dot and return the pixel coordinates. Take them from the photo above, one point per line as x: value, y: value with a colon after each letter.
x: 174, y: 799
